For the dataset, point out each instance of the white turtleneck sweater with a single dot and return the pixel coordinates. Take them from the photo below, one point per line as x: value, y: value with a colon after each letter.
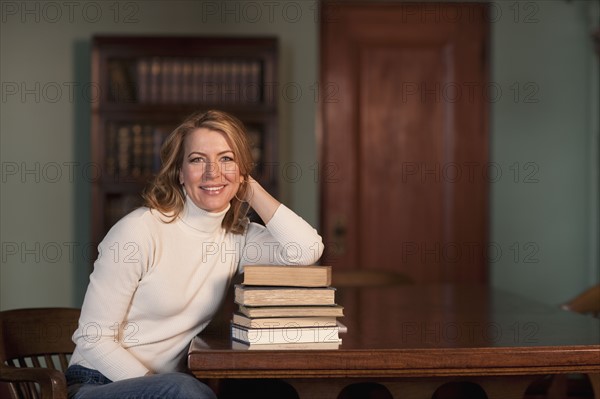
x: 156, y: 285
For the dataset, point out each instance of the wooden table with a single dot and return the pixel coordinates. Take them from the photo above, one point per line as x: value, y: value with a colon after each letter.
x: 413, y: 339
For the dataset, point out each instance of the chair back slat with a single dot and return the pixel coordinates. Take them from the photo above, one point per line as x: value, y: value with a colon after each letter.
x: 25, y: 390
x: 64, y: 361
x: 13, y: 390
x: 49, y: 361
x: 32, y: 391
x: 35, y: 361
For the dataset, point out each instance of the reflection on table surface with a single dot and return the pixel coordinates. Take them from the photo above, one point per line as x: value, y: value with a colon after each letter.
x: 441, y: 316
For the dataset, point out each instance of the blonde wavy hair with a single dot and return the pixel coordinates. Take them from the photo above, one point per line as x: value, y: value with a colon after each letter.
x: 165, y: 193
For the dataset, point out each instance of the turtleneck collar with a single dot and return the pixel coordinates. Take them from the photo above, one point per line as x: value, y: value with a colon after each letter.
x: 199, y: 219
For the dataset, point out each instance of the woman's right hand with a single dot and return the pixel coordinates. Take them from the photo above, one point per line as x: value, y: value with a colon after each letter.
x: 260, y: 200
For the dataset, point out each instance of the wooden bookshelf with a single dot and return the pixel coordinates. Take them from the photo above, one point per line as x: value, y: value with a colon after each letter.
x: 148, y: 85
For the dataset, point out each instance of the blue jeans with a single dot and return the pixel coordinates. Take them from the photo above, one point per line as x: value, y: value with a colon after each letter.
x: 84, y: 383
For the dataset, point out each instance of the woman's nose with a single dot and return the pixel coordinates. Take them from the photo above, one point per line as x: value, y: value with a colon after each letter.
x: 213, y: 169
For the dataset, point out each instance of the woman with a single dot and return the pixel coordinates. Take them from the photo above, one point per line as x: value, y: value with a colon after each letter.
x: 163, y: 269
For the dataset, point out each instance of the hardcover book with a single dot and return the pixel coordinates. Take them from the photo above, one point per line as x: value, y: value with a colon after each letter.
x: 292, y: 311
x: 293, y: 346
x: 291, y: 276
x: 285, y: 335
x: 282, y: 296
x: 283, y: 322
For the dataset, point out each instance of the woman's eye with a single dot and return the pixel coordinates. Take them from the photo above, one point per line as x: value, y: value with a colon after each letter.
x: 227, y: 159
x: 196, y: 160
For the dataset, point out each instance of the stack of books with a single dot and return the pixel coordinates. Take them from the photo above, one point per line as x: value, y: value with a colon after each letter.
x: 286, y: 307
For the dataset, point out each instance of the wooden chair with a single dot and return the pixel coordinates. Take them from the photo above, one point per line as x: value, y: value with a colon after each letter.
x: 587, y: 303
x: 35, y: 346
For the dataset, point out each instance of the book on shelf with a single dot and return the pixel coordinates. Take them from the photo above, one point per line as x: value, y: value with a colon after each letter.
x: 285, y: 335
x: 291, y: 311
x: 137, y: 149
x: 150, y: 149
x: 187, y: 93
x: 283, y: 296
x: 124, y: 140
x: 255, y: 139
x: 143, y: 80
x: 237, y: 345
x: 290, y: 276
x: 111, y: 150
x: 154, y: 80
x: 283, y: 322
x: 122, y: 86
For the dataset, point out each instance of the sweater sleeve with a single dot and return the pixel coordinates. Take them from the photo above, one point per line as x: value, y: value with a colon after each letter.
x: 287, y: 239
x: 123, y: 259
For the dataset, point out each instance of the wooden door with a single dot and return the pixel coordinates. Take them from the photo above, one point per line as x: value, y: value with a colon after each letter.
x: 404, y: 139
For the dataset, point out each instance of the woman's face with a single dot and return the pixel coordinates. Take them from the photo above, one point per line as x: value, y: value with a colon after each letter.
x: 209, y: 172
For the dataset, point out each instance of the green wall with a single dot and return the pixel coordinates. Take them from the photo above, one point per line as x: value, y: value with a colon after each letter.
x: 544, y: 206
x: 45, y: 113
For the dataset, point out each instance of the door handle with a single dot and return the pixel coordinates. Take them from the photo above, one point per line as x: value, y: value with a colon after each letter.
x: 339, y: 236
